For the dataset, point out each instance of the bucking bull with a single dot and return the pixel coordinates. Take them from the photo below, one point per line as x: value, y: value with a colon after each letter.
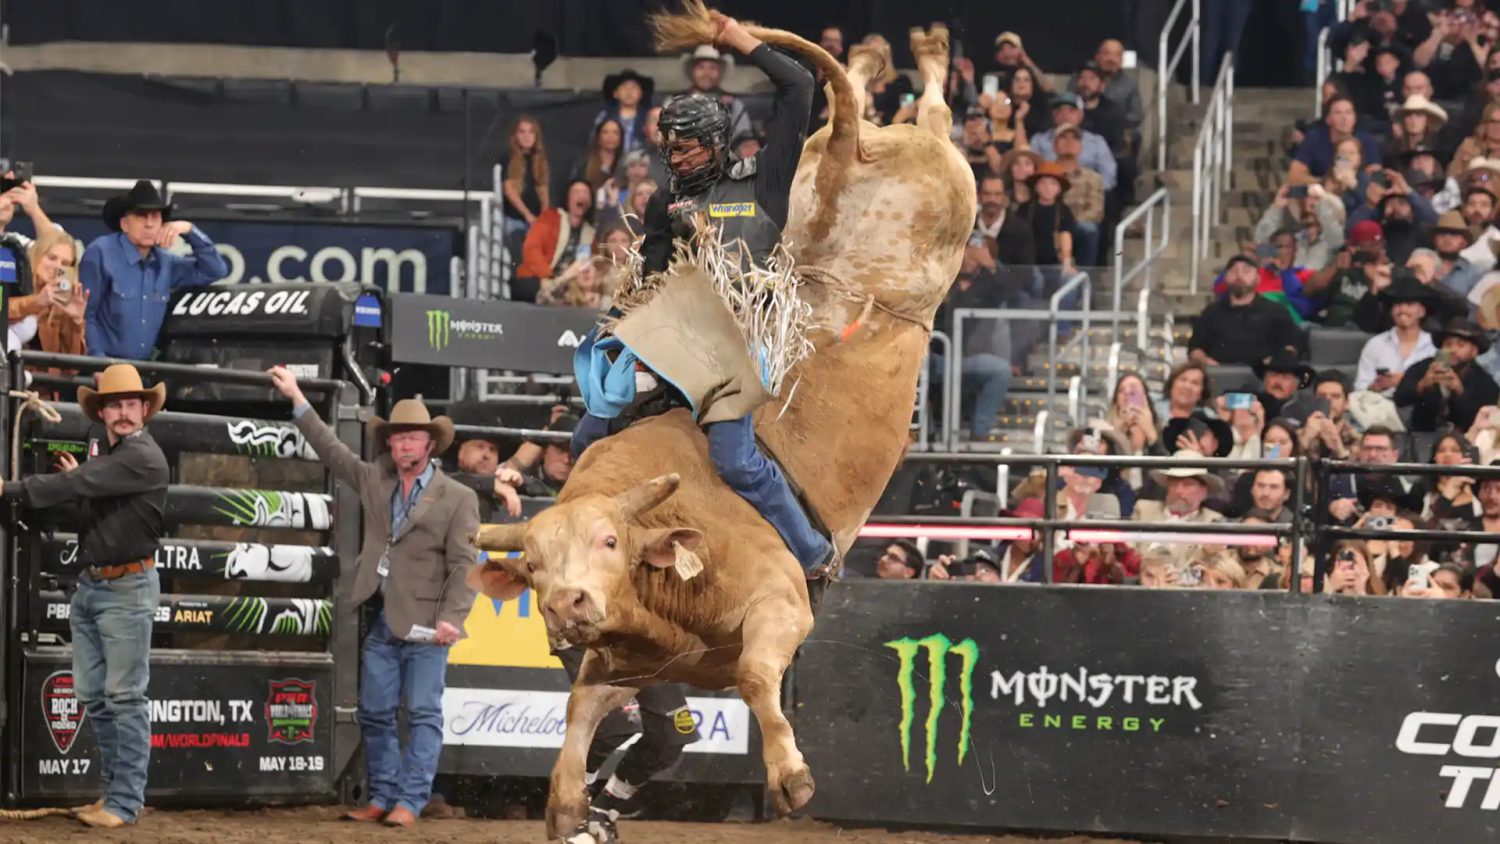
x: 878, y: 222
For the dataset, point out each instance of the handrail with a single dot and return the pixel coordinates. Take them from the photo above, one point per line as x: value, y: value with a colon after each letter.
x: 88, y: 183
x: 1161, y: 198
x: 180, y: 370
x: 1054, y: 308
x: 1165, y: 68
x: 1002, y: 480
x: 1039, y: 432
x: 1321, y: 76
x: 1112, y: 376
x: 1213, y: 161
x: 1143, y: 321
x: 950, y: 378
x: 1075, y: 400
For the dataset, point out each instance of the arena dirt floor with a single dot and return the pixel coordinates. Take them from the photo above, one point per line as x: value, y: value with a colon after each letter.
x: 320, y: 825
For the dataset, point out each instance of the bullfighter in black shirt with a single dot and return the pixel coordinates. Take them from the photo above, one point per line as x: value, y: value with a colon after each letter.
x: 122, y: 496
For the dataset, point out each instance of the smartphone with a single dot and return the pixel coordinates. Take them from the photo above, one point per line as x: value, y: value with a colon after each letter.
x: 1324, y: 407
x: 907, y: 100
x: 1190, y: 576
x: 584, y: 252
x: 1419, y: 575
x: 1381, y: 179
x: 1382, y: 371
x: 1265, y: 251
x: 22, y: 173
x: 976, y: 239
x: 1443, y: 358
x: 1297, y: 192
x: 991, y: 84
x: 1239, y: 401
x: 1273, y: 452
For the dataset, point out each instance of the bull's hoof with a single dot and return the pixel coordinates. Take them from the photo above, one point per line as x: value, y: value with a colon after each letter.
x: 793, y: 792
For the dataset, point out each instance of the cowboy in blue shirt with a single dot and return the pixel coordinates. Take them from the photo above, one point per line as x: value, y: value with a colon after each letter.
x: 130, y: 275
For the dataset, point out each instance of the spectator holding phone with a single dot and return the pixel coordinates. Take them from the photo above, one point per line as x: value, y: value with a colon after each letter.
x: 1449, y: 500
x: 1314, y: 156
x: 1312, y: 218
x: 18, y: 192
x: 59, y: 303
x: 1131, y: 413
x: 1330, y: 431
x: 1220, y: 570
x: 1452, y: 55
x: 1351, y: 570
x: 1449, y: 388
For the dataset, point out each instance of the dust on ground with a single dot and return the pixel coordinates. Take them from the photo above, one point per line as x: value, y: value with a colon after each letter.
x: 320, y: 825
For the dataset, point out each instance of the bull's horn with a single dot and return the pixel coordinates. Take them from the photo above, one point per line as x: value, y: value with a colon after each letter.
x: 500, y: 537
x: 636, y: 501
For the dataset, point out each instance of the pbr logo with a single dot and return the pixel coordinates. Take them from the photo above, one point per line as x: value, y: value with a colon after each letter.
x: 291, y: 711
x: 938, y: 648
x: 62, y: 709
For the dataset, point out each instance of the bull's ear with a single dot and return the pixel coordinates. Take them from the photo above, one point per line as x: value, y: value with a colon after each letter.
x: 500, y: 537
x: 493, y: 579
x: 657, y: 550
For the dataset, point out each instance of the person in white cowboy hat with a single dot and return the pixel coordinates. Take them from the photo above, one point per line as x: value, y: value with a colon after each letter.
x: 122, y: 495
x: 1186, y: 491
x: 1417, y: 123
x: 130, y: 275
x: 705, y: 68
x: 418, y: 524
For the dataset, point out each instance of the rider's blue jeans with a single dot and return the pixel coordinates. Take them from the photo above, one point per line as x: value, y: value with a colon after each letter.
x: 731, y: 446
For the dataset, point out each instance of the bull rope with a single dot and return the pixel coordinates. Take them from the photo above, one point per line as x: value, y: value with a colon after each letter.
x: 30, y: 400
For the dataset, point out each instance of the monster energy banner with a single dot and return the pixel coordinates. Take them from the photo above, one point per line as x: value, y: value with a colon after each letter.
x: 484, y: 334
x: 196, y: 432
x: 210, y: 558
x: 1152, y: 712
x: 236, y: 726
x: 218, y: 614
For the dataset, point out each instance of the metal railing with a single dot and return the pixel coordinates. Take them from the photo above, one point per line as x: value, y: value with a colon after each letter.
x: 1327, y: 62
x: 1155, y: 235
x: 1213, y: 162
x: 1166, y: 67
x: 1103, y: 530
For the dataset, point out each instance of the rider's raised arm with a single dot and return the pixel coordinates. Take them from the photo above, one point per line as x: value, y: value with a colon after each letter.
x: 785, y: 131
x: 656, y: 246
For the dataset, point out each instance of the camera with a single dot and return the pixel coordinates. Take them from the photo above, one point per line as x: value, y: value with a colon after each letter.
x: 1379, y: 523
x: 21, y: 170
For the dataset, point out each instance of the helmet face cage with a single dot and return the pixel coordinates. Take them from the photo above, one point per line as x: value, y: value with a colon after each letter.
x: 695, y: 117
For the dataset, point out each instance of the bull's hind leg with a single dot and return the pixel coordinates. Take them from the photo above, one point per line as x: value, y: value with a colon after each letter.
x: 867, y: 60
x: 931, y: 51
x: 591, y: 700
x: 772, y: 633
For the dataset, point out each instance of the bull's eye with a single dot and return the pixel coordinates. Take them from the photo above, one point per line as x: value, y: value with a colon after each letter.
x: 610, y: 542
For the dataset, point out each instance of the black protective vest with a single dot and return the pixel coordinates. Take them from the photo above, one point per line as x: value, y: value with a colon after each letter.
x: 730, y: 205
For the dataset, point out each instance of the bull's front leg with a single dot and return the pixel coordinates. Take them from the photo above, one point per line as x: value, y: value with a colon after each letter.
x: 590, y: 701
x: 772, y: 635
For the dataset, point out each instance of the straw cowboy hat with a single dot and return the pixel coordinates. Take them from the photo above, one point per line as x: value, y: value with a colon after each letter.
x: 121, y: 381
x: 409, y: 415
x: 1482, y: 169
x: 1214, y: 483
x: 1452, y: 222
x: 1418, y: 104
x: 706, y: 53
x: 1489, y: 307
x: 142, y: 197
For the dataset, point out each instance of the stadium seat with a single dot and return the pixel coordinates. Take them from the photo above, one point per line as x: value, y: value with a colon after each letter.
x: 1335, y: 345
x: 1227, y: 376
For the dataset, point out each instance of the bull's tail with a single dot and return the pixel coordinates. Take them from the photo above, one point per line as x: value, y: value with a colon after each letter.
x: 681, y: 31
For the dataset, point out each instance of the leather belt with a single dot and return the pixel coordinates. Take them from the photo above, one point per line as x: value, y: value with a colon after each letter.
x: 118, y: 571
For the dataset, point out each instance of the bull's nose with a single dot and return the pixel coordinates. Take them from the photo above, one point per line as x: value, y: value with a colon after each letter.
x: 569, y: 607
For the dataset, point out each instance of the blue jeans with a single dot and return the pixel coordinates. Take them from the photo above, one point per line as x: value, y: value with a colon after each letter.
x: 731, y: 446
x: 111, y: 625
x: 995, y: 372
x: 1223, y: 23
x: 391, y: 665
x: 1085, y: 244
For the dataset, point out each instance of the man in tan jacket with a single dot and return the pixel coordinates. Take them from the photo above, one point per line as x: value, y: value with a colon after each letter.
x: 418, y: 524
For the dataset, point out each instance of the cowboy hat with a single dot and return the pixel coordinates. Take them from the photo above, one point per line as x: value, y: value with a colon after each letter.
x: 1051, y: 169
x: 613, y: 81
x: 410, y: 415
x: 142, y: 197
x: 1284, y: 360
x: 120, y: 381
x: 1482, y: 168
x: 1489, y: 305
x: 706, y: 53
x: 1463, y: 329
x: 1406, y: 287
x: 1102, y: 505
x: 1199, y: 423
x: 1010, y: 37
x: 1010, y: 158
x: 1382, y: 487
x: 1067, y: 128
x: 1214, y: 483
x: 1418, y: 104
x: 1452, y: 222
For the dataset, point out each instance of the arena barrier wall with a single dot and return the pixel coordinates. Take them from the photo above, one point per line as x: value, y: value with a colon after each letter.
x: 254, y: 659
x: 1259, y: 714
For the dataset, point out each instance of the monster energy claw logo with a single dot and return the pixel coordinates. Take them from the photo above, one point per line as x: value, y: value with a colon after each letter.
x: 938, y: 647
x: 438, y: 324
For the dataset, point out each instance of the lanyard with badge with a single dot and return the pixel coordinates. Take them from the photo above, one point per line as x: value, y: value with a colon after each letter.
x: 398, y: 520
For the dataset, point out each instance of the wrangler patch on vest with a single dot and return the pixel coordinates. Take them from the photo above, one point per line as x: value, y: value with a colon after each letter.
x: 731, y: 209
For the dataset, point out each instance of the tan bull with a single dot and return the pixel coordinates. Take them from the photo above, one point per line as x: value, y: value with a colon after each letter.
x: 878, y: 221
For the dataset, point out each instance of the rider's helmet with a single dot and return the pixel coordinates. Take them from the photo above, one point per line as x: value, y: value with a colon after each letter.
x: 694, y: 117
